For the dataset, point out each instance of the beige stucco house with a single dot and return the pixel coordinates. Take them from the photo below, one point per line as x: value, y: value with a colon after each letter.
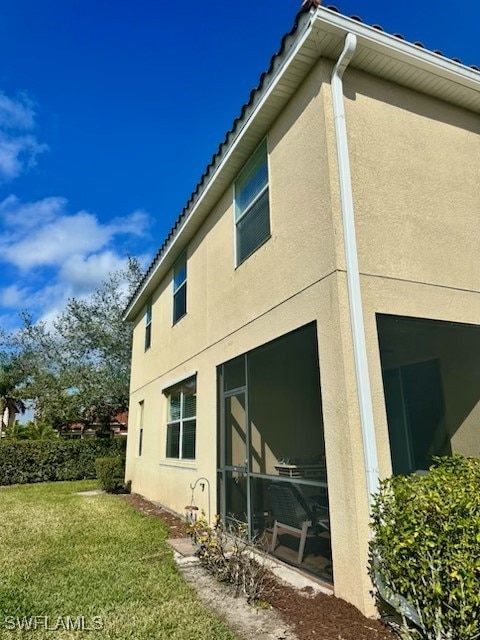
x: 312, y: 322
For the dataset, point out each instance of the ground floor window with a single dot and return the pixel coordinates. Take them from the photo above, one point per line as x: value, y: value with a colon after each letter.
x: 431, y: 381
x: 271, y: 457
x: 182, y: 422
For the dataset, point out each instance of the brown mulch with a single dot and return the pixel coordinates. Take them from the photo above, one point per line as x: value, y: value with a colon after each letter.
x: 313, y: 616
x: 317, y: 615
x: 176, y: 526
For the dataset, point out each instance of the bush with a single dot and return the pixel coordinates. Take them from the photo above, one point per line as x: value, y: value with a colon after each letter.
x: 426, y: 546
x: 25, y: 461
x: 228, y: 554
x: 110, y: 473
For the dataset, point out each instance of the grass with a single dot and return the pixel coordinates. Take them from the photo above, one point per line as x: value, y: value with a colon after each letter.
x: 63, y: 555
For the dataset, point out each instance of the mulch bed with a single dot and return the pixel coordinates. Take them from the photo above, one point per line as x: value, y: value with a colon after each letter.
x: 176, y: 526
x: 317, y: 615
x: 313, y: 616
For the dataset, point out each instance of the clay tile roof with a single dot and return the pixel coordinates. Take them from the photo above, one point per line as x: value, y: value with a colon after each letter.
x: 231, y: 131
x: 122, y: 418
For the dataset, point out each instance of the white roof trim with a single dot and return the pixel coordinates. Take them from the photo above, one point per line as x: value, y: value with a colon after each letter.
x: 310, y: 25
x: 403, y: 50
x: 261, y: 99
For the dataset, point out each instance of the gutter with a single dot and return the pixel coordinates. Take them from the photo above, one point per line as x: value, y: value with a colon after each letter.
x: 353, y: 276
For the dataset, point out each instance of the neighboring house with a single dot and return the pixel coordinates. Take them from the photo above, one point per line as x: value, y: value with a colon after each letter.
x: 83, y: 430
x: 289, y: 356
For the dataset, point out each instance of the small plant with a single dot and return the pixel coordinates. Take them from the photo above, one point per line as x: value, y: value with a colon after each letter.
x: 227, y: 553
x: 426, y: 547
x: 110, y: 474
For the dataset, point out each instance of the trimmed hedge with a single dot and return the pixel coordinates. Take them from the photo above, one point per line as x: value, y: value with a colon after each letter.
x: 427, y: 545
x: 110, y: 473
x: 25, y: 461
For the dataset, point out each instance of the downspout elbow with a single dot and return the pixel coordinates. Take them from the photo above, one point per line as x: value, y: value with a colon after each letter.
x: 345, y: 57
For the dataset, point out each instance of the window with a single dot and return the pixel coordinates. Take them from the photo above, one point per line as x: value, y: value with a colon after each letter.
x: 252, y: 207
x: 148, y: 325
x: 180, y: 288
x: 182, y: 422
x: 140, y: 427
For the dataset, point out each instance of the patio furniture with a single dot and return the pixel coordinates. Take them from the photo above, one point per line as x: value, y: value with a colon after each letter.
x: 292, y: 512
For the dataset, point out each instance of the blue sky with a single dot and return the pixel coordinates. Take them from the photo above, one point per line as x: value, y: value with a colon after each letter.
x: 110, y: 111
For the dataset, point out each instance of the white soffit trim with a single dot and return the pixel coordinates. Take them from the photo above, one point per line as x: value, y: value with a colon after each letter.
x: 400, y: 50
x: 320, y: 33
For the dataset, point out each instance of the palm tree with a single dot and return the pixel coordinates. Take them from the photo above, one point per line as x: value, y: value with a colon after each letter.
x: 10, y: 403
x: 11, y: 407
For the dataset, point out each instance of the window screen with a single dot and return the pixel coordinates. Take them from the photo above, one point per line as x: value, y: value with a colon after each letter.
x: 182, y: 421
x: 252, y: 206
x: 180, y: 288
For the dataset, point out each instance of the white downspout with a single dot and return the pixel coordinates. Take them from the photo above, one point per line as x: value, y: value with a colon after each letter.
x: 353, y: 276
x: 356, y: 311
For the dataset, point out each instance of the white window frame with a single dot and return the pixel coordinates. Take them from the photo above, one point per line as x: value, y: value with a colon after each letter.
x: 246, y: 211
x: 181, y: 420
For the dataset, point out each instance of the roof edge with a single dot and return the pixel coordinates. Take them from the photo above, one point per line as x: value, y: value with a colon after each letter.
x: 414, y: 53
x: 279, y: 61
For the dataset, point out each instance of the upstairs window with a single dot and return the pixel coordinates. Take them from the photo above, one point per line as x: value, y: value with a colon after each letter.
x: 148, y: 325
x: 252, y: 207
x: 182, y: 421
x: 180, y: 288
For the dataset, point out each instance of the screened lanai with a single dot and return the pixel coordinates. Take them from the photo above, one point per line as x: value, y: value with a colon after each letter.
x: 271, y: 462
x: 431, y: 379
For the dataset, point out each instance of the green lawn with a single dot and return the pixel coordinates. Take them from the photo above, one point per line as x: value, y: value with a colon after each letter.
x: 67, y: 555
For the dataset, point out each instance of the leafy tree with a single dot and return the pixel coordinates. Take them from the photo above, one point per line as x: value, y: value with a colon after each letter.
x: 78, y: 368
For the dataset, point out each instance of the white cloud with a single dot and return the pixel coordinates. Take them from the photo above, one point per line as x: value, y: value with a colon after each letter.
x: 57, y: 254
x: 49, y: 253
x: 55, y: 241
x: 43, y: 233
x: 14, y: 213
x: 85, y: 273
x: 19, y: 147
x: 12, y: 296
x: 16, y: 114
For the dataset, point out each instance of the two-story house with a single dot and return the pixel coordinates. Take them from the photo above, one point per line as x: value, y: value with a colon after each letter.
x: 311, y: 323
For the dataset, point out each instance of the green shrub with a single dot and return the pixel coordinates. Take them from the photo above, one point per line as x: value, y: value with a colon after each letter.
x: 25, y: 461
x: 426, y: 545
x: 110, y: 473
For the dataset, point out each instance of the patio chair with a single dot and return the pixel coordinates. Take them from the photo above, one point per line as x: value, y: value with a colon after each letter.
x: 292, y: 512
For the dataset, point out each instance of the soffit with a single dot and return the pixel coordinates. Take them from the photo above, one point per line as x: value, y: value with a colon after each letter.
x: 320, y: 33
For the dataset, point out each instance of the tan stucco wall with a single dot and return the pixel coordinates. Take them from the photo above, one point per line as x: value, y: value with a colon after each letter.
x: 415, y: 164
x: 168, y: 482
x: 222, y: 298
x: 415, y: 174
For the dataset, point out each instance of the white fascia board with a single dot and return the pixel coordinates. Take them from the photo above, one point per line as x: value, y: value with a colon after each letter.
x: 401, y: 50
x: 322, y: 20
x: 284, y: 62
